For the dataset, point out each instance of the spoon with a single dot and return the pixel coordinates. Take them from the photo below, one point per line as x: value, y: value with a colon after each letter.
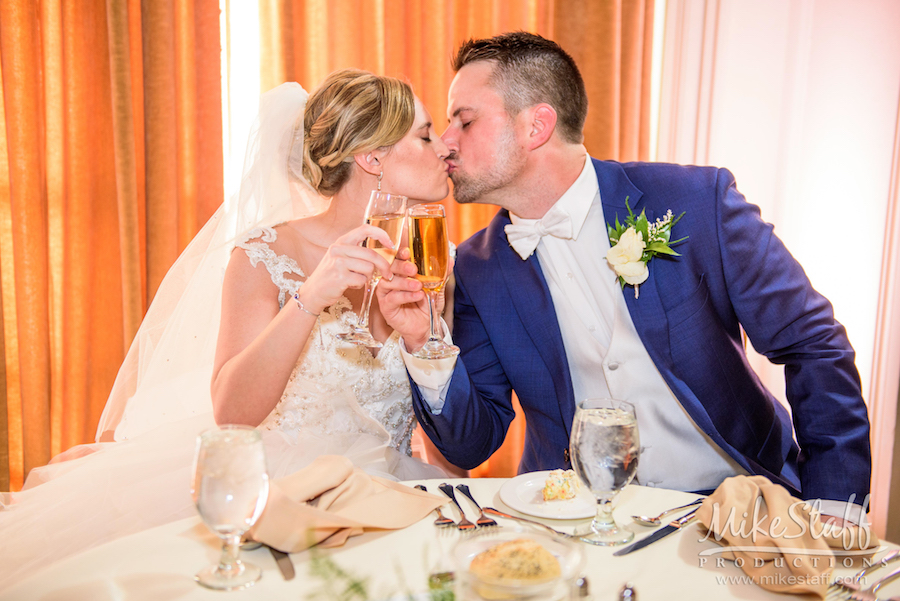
x: 648, y: 521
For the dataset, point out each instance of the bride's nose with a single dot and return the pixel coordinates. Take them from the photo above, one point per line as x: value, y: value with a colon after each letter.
x: 442, y: 150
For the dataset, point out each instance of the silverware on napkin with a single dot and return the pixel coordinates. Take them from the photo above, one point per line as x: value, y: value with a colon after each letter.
x: 663, y: 532
x: 284, y: 563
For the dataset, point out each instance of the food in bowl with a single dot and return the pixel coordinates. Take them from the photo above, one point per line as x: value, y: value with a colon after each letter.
x: 521, y: 560
x: 560, y: 485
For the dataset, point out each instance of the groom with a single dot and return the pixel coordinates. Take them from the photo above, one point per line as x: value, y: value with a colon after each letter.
x: 538, y: 309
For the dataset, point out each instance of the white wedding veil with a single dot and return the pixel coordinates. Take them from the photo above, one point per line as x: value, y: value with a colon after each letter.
x: 166, y: 374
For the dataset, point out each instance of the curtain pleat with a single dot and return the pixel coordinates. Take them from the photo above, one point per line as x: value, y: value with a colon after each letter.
x: 612, y: 43
x: 20, y: 53
x: 110, y: 161
x: 92, y: 336
x: 4, y: 419
x: 126, y: 161
x: 161, y: 144
x: 10, y: 437
x: 207, y: 168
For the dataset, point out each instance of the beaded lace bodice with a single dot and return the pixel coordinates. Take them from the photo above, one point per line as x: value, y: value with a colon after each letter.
x: 336, y: 388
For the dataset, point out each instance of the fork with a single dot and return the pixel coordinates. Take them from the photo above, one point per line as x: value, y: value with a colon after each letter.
x: 441, y: 521
x: 868, y: 594
x: 464, y: 524
x: 500, y: 514
x: 890, y: 557
x: 483, y: 520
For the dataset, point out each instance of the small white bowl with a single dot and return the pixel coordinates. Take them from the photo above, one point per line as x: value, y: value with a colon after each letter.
x: 470, y: 587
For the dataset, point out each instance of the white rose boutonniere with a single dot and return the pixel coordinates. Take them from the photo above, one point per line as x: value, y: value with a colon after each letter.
x: 635, y: 242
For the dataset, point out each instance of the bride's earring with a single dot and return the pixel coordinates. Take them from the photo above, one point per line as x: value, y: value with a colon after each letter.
x: 380, y: 175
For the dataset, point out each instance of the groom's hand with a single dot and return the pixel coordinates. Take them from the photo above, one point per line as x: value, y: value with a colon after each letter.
x: 403, y: 303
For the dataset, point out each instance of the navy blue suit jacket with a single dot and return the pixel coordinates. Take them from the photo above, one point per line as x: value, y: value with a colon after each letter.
x: 733, y: 272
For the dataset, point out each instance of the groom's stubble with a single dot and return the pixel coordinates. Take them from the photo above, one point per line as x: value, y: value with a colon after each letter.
x: 478, y: 187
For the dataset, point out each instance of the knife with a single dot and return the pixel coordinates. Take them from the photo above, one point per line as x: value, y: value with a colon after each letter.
x: 663, y: 532
x: 284, y: 563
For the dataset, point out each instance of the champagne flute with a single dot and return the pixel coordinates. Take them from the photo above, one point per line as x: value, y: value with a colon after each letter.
x: 429, y: 247
x: 386, y: 211
x: 605, y: 447
x: 230, y: 488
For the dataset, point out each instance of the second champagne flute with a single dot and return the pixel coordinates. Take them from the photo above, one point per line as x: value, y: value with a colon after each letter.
x: 429, y: 248
x: 386, y: 211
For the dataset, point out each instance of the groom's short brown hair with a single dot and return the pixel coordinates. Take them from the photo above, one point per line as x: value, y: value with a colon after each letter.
x: 529, y: 70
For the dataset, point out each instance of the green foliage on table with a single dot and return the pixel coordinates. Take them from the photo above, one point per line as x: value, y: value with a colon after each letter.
x: 336, y: 582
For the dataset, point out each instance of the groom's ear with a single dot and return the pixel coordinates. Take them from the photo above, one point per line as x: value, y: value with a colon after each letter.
x: 542, y: 124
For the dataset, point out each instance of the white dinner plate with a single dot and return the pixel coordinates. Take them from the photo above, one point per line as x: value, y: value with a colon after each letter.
x: 524, y: 493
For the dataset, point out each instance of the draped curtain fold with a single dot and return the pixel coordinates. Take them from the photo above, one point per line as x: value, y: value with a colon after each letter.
x: 611, y: 40
x: 110, y: 160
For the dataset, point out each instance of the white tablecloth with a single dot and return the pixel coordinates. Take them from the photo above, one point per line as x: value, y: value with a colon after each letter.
x: 160, y: 563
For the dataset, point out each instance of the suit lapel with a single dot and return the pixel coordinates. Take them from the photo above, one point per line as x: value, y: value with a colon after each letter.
x: 532, y: 302
x: 647, y: 311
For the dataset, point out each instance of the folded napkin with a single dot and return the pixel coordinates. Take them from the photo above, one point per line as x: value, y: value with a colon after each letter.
x: 776, y: 539
x: 329, y: 501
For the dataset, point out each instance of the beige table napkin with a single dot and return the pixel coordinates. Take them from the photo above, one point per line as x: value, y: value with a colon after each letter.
x: 329, y: 501
x: 778, y: 540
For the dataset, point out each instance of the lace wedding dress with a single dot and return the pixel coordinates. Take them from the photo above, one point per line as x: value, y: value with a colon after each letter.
x: 337, y: 390
x: 340, y: 399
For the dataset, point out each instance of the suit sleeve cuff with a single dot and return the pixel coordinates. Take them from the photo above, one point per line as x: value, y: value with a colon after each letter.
x: 842, y: 509
x: 432, y: 376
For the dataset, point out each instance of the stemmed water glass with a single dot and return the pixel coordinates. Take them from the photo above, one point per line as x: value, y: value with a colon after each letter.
x: 429, y: 247
x: 387, y: 211
x: 605, y: 447
x: 230, y: 488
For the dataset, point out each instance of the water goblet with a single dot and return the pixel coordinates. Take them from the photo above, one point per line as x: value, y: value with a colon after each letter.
x: 387, y: 211
x: 230, y: 487
x: 429, y: 249
x: 605, y: 447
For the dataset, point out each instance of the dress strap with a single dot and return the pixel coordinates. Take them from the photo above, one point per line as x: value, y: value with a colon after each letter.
x: 256, y: 244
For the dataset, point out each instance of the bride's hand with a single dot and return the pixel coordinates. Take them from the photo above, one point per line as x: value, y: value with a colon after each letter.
x: 403, y: 304
x: 346, y: 264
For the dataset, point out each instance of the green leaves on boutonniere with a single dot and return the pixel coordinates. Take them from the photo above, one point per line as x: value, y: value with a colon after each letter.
x: 635, y: 242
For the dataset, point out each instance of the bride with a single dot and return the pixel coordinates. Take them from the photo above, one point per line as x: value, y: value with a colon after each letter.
x: 252, y: 306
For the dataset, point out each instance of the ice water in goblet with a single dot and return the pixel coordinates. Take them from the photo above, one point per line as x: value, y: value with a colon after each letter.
x: 230, y: 488
x: 605, y: 447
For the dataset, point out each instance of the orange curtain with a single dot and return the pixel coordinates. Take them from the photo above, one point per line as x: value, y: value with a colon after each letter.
x: 304, y: 40
x: 110, y: 161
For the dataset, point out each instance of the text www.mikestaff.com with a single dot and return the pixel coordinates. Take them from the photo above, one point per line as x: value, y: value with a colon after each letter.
x: 774, y: 579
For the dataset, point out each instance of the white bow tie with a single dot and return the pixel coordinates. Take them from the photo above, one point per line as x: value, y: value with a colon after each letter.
x: 524, y: 237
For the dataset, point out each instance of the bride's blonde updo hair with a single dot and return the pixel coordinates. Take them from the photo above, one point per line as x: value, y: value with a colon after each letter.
x: 352, y: 112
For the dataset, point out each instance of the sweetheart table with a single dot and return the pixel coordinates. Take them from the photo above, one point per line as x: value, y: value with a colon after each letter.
x: 160, y: 563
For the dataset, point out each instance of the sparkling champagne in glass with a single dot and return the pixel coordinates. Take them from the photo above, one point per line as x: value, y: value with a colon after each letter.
x: 230, y: 488
x: 429, y: 247
x: 386, y: 211
x: 605, y: 448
